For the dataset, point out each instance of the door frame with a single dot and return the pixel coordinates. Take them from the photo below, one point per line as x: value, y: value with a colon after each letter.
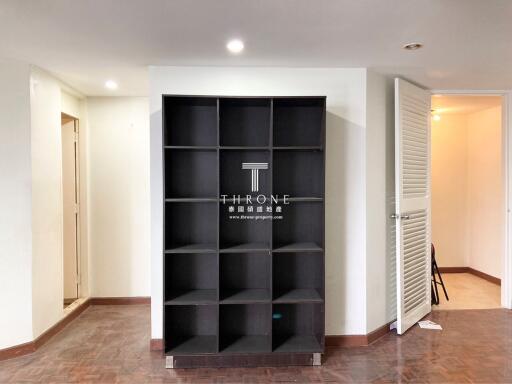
x: 78, y: 245
x: 506, y: 134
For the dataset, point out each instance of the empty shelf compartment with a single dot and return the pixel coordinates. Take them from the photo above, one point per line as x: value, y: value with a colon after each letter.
x: 298, y: 277
x: 191, y: 278
x: 297, y: 327
x: 190, y: 121
x: 191, y: 329
x: 299, y: 121
x: 244, y: 232
x: 244, y: 121
x: 190, y: 224
x: 245, y: 328
x: 301, y: 223
x: 298, y: 174
x: 244, y: 277
x: 190, y: 174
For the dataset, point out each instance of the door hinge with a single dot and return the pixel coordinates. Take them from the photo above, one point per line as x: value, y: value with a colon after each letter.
x: 77, y: 279
x: 77, y: 209
x: 75, y: 137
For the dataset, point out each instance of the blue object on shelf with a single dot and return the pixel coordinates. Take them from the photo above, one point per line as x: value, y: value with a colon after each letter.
x: 277, y: 316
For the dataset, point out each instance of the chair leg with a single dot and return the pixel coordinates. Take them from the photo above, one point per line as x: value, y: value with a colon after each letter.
x: 434, y: 287
x: 437, y: 292
x: 433, y: 298
x: 441, y: 280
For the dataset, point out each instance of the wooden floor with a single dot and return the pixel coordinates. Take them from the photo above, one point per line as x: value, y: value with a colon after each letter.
x: 109, y: 344
x: 467, y: 291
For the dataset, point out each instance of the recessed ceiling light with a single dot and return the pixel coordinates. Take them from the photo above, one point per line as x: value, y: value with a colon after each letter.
x: 110, y: 84
x: 412, y: 46
x: 235, y: 46
x: 436, y: 117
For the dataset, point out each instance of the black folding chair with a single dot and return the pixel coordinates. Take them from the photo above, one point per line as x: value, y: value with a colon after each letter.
x: 435, y: 271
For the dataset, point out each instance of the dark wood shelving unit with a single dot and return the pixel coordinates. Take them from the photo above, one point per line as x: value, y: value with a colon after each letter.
x: 243, y: 280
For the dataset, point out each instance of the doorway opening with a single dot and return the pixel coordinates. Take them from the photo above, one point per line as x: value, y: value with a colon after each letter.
x: 468, y: 199
x: 71, y: 219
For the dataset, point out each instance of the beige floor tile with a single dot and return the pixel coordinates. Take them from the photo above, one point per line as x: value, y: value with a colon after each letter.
x: 467, y: 291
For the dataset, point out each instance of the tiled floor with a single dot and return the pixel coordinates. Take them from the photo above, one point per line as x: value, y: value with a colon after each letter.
x: 467, y: 291
x: 109, y: 344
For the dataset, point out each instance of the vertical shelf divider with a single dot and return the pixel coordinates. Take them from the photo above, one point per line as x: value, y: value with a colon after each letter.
x: 271, y: 242
x: 218, y: 225
x: 164, y: 134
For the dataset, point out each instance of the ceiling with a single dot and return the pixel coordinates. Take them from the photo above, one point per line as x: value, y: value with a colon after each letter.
x: 456, y: 104
x: 467, y: 43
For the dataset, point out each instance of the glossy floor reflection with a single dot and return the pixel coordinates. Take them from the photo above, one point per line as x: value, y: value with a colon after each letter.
x: 109, y: 344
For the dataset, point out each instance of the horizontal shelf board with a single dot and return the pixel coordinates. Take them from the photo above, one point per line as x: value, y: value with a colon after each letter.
x: 191, y: 200
x: 243, y: 147
x: 194, y: 147
x: 196, y: 296
x: 193, y: 248
x: 299, y: 199
x: 245, y: 296
x: 298, y: 148
x: 195, y: 345
x: 299, y: 247
x: 301, y: 295
x: 299, y: 343
x: 247, y: 247
x: 249, y: 344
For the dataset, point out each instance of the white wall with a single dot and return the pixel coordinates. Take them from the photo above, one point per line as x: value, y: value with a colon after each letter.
x: 486, y: 195
x: 70, y: 104
x: 31, y: 280
x: 15, y: 205
x: 345, y: 174
x: 449, y: 169
x: 47, y: 219
x: 468, y: 199
x: 48, y: 99
x: 118, y: 196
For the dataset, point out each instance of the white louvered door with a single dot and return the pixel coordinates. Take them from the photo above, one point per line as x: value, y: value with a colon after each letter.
x: 412, y: 191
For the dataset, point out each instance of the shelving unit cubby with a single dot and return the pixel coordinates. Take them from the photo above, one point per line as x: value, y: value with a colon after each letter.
x: 190, y: 173
x: 191, y: 278
x: 243, y: 278
x: 193, y: 226
x: 245, y: 328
